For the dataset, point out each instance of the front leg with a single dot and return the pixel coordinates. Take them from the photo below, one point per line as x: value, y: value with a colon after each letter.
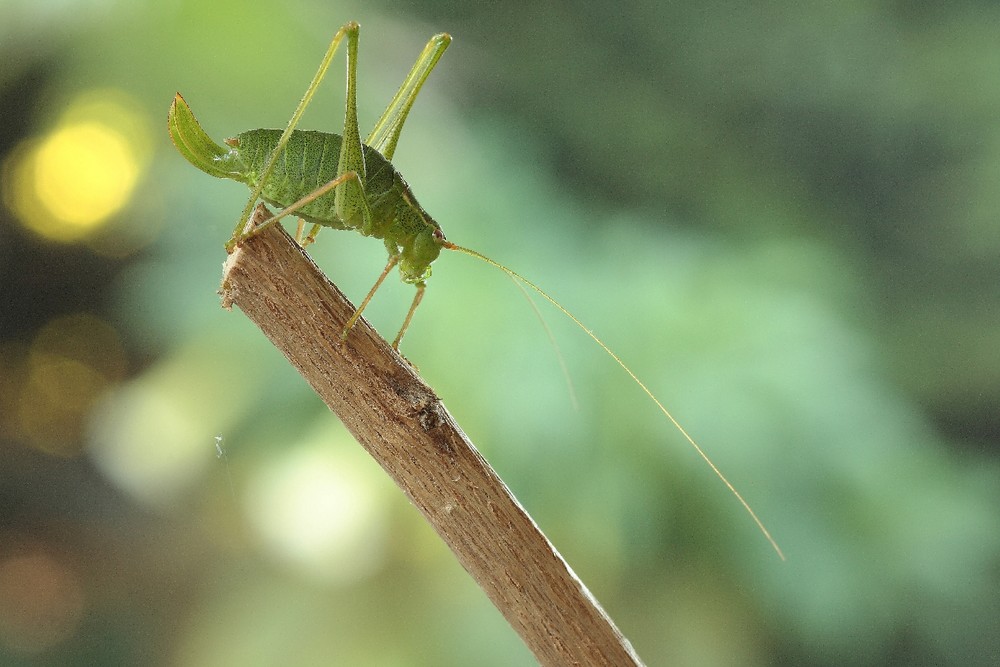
x: 393, y: 260
x: 417, y: 298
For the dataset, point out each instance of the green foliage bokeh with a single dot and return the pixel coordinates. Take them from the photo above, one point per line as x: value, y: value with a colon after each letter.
x: 783, y: 217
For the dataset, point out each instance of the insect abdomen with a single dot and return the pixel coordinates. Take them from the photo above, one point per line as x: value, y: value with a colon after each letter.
x: 310, y: 161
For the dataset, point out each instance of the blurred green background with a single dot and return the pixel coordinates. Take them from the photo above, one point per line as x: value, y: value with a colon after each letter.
x: 783, y: 216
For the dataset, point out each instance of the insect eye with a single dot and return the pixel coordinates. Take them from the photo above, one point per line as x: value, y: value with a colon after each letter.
x: 232, y: 141
x: 439, y: 235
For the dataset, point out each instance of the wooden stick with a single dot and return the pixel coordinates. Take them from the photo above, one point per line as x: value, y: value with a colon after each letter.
x: 405, y: 427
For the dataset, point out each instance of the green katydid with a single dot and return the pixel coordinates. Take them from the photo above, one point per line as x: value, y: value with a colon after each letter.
x: 337, y: 181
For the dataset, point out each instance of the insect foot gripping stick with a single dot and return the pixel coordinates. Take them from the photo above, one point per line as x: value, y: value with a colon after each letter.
x: 335, y: 180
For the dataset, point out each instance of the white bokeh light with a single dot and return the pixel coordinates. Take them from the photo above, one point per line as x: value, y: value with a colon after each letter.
x: 322, y: 508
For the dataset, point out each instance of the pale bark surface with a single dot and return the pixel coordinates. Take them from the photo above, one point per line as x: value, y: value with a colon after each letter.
x: 402, y: 424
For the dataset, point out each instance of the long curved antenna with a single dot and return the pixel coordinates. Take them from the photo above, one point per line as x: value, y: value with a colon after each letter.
x: 570, y: 387
x: 718, y: 473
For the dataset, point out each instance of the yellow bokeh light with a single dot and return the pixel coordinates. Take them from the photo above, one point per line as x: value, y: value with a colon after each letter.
x: 44, y: 601
x: 67, y: 184
x: 69, y: 365
x: 84, y: 173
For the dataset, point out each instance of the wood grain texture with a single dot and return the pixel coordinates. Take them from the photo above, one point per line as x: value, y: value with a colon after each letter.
x: 402, y: 424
